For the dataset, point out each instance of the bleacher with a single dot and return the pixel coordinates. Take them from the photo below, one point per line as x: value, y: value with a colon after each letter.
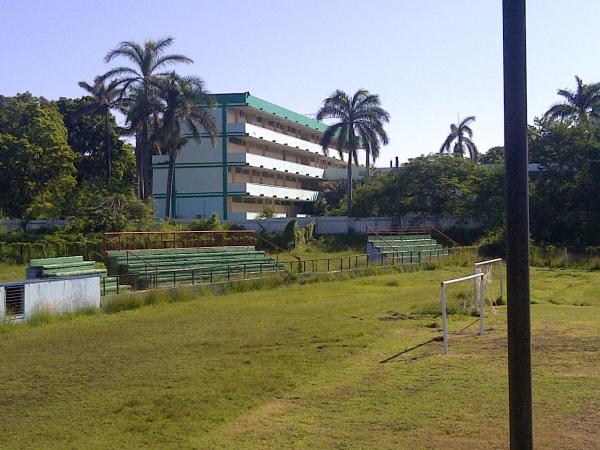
x: 72, y: 266
x: 67, y: 266
x: 407, y: 247
x: 173, y: 266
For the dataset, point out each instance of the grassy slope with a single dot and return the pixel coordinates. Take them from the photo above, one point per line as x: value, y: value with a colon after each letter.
x: 12, y: 272
x: 298, y: 367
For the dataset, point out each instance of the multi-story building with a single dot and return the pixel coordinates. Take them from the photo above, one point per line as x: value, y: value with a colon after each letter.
x: 264, y: 157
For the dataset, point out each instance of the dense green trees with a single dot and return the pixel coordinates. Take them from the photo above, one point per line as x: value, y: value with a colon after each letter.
x: 87, y: 137
x: 564, y: 186
x: 435, y: 186
x: 37, y: 166
x: 360, y: 124
x: 565, y: 192
x: 53, y: 165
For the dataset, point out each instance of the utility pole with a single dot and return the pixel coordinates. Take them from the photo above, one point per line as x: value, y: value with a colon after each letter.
x: 517, y: 225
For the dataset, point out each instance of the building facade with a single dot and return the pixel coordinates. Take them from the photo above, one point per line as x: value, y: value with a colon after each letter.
x: 265, y: 157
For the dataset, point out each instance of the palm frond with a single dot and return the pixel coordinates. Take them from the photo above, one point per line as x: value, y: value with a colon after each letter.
x: 170, y: 59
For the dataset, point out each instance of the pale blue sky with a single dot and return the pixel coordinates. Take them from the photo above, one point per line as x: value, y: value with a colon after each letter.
x: 430, y: 60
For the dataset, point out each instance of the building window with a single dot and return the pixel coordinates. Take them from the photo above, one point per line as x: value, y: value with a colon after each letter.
x: 259, y: 119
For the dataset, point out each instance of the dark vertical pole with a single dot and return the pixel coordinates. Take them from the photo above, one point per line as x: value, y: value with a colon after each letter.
x: 517, y: 225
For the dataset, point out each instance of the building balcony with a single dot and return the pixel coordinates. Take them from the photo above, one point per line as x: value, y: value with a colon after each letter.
x: 279, y: 192
x: 275, y: 137
x: 278, y: 165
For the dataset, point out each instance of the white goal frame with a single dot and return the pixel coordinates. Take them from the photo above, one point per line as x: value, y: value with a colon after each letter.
x: 478, y: 268
x: 477, y: 278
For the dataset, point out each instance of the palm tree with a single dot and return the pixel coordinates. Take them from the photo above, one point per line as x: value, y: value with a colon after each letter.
x: 106, y: 97
x: 188, y: 104
x: 143, y: 77
x: 463, y: 135
x: 360, y: 120
x: 579, y: 105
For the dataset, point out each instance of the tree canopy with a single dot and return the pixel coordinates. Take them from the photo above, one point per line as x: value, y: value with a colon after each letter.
x: 37, y: 166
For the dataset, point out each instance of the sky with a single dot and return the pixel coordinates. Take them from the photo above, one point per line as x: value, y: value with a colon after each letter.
x: 431, y: 61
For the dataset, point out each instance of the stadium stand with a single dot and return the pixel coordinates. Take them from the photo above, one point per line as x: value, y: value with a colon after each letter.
x: 172, y: 266
x: 410, y: 246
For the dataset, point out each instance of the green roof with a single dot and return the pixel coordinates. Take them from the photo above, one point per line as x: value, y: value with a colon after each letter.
x: 245, y: 99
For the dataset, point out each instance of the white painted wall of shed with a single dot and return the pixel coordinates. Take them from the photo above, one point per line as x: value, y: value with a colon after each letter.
x: 62, y: 295
x: 2, y: 301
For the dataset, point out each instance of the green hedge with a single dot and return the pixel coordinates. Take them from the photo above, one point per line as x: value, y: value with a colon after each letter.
x: 23, y: 252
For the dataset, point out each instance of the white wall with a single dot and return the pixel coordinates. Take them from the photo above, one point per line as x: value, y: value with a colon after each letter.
x: 61, y: 295
x: 341, y: 224
x: 16, y: 224
x: 2, y: 301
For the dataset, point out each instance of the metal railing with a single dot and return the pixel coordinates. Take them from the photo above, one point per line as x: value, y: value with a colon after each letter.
x: 248, y: 270
x: 139, y: 240
x: 362, y: 261
x: 190, y: 276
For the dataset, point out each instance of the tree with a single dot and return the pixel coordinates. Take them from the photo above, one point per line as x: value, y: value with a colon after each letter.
x: 187, y: 103
x: 94, y: 208
x: 436, y: 186
x: 148, y: 59
x: 463, y: 135
x: 106, y: 97
x: 36, y: 163
x: 579, y: 105
x: 87, y: 138
x: 360, y: 120
x: 494, y: 155
x: 564, y: 205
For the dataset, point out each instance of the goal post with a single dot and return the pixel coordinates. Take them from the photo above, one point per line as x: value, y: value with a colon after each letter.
x: 479, y: 301
x: 487, y: 268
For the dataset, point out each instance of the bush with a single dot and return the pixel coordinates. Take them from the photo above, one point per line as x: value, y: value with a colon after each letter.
x: 494, y: 244
x: 19, y: 247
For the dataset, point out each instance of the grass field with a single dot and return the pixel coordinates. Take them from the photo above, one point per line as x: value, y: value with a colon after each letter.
x: 298, y: 367
x: 12, y: 272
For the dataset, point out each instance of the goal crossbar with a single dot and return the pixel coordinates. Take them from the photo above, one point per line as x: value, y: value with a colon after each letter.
x: 477, y: 277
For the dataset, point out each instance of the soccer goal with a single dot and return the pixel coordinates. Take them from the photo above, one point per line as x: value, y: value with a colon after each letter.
x: 492, y: 270
x: 478, y: 298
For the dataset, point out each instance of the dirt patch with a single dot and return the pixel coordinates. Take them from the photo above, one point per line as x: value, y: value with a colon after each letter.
x: 260, y: 416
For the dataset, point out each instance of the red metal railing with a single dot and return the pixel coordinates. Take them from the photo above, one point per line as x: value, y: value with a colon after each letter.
x: 139, y: 240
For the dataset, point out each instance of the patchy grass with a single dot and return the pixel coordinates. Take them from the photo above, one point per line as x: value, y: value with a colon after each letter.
x: 298, y: 367
x: 12, y: 272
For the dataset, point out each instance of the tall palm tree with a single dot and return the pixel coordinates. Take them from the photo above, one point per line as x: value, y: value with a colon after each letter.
x: 106, y: 97
x: 360, y: 121
x: 463, y: 135
x: 579, y: 105
x: 186, y: 104
x: 148, y: 61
